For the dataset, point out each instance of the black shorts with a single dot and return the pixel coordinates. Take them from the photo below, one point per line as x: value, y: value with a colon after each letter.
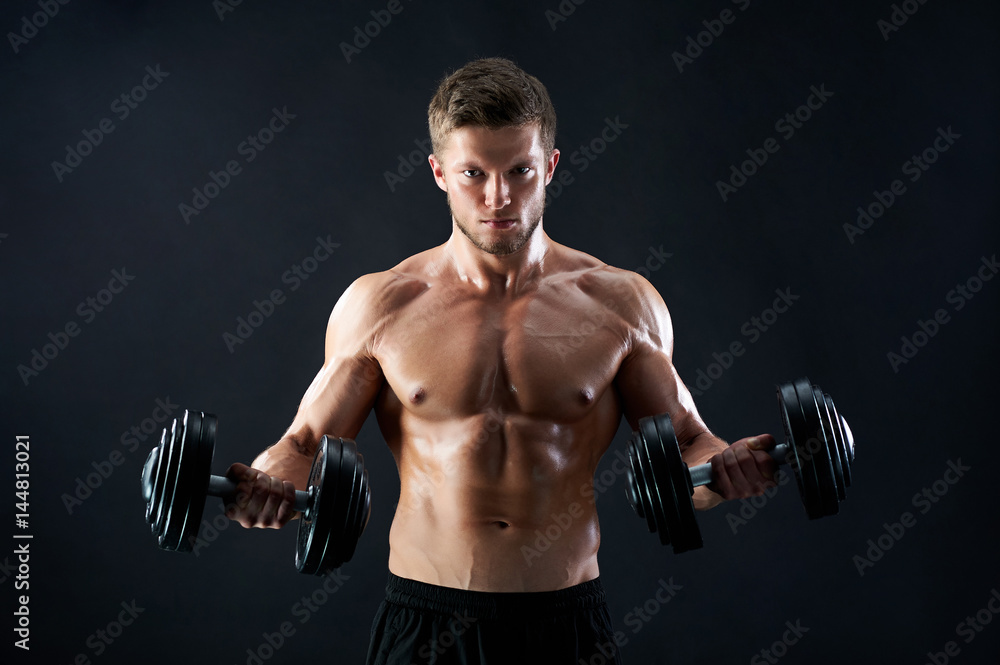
x: 424, y: 624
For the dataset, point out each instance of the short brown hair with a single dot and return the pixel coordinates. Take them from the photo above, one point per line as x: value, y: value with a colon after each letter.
x: 493, y: 93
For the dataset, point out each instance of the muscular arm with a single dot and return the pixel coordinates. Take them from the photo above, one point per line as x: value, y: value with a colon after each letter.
x: 336, y: 403
x: 649, y: 385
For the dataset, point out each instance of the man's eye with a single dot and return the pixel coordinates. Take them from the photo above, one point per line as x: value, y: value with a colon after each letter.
x: 523, y: 170
x: 470, y: 173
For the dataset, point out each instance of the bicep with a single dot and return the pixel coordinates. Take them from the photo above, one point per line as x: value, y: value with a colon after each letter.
x: 342, y: 394
x: 647, y: 381
x: 649, y: 385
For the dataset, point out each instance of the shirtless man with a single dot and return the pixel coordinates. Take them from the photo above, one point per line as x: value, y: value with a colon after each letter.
x: 499, y: 365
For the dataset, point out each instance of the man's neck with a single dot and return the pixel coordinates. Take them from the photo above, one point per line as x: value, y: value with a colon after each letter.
x: 509, y: 274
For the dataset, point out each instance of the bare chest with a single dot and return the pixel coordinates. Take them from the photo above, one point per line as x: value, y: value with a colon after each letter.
x: 545, y: 356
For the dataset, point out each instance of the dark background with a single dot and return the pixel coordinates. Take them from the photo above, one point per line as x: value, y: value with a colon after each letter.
x: 653, y: 187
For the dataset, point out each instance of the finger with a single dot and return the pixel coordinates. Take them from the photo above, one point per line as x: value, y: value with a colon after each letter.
x: 275, y: 496
x: 237, y: 471
x: 721, y: 482
x: 743, y: 471
x: 255, y: 497
x: 287, y: 508
x: 761, y: 442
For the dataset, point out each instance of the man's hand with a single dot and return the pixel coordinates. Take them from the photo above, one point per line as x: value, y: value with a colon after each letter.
x: 744, y: 469
x: 262, y: 501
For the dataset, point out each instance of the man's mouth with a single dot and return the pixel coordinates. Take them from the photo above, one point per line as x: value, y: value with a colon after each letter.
x: 499, y: 223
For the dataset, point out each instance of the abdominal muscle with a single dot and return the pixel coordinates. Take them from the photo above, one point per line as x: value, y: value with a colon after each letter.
x: 496, y: 502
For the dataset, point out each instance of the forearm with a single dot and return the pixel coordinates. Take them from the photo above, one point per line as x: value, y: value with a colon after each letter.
x: 696, y: 452
x: 289, y: 459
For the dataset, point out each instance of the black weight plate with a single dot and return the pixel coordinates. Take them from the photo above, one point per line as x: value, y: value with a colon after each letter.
x: 166, y: 475
x: 631, y: 493
x: 650, y: 490
x: 162, y: 455
x: 366, y: 508
x: 686, y: 536
x: 360, y: 512
x: 824, y: 456
x: 314, y: 524
x: 306, y: 550
x: 847, y: 447
x: 332, y: 540
x: 662, y: 490
x: 797, y: 434
x: 202, y: 451
x: 636, y: 467
x: 156, y: 479
x: 639, y: 465
x: 348, y: 500
x: 344, y: 541
x: 841, y: 467
x: 819, y: 477
x: 169, y: 482
x: 849, y: 437
x: 183, y: 486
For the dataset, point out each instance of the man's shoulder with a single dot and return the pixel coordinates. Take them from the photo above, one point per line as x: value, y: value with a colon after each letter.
x: 388, y: 290
x: 600, y: 280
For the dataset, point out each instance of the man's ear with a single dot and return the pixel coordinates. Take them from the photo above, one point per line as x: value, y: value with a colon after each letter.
x: 438, y: 169
x: 550, y: 167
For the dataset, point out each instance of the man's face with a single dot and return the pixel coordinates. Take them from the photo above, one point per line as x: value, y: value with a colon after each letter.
x: 495, y: 180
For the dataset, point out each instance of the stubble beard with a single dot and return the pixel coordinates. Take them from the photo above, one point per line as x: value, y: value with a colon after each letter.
x: 503, y: 246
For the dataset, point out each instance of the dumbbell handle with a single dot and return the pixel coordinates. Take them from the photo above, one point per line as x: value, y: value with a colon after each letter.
x: 225, y: 488
x: 702, y: 474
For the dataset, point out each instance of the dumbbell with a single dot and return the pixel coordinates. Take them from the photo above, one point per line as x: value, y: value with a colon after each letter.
x: 819, y: 449
x: 177, y: 478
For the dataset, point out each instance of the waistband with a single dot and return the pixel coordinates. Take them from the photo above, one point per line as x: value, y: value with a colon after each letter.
x: 490, y: 604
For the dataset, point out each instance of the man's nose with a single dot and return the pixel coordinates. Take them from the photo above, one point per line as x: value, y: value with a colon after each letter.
x: 497, y: 193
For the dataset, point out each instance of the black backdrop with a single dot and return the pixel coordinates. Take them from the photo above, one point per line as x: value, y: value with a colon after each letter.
x: 648, y: 199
